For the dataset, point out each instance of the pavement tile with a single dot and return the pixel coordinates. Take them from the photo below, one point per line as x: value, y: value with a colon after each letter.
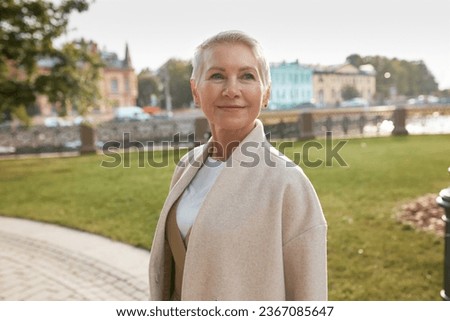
x: 41, y: 261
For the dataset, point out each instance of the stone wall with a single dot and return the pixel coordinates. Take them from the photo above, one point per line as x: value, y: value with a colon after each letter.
x: 294, y: 124
x: 56, y: 139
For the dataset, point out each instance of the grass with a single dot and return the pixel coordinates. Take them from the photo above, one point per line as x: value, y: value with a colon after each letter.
x: 371, y: 255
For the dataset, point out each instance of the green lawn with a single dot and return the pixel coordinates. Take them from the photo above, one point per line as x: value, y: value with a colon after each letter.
x: 371, y: 255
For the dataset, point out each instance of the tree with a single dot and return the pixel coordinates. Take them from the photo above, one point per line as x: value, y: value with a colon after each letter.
x: 444, y: 93
x: 356, y: 60
x: 409, y: 78
x: 149, y: 88
x: 27, y: 31
x: 179, y: 73
x: 72, y: 80
x: 349, y: 92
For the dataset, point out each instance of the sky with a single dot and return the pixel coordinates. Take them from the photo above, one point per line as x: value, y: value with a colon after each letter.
x: 313, y: 31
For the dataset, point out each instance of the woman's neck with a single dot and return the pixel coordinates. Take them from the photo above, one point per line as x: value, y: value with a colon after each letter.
x: 225, y: 141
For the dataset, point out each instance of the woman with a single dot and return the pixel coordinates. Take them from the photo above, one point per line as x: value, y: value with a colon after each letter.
x: 241, y: 221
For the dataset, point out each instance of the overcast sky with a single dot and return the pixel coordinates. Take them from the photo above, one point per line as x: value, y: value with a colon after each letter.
x: 313, y: 31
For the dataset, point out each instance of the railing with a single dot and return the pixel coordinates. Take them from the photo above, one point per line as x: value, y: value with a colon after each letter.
x: 373, y: 121
x: 292, y: 124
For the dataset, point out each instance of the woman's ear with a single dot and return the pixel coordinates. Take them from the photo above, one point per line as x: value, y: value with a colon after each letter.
x: 194, y: 92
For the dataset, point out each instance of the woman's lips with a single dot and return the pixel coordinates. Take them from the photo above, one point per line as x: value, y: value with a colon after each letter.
x: 230, y: 107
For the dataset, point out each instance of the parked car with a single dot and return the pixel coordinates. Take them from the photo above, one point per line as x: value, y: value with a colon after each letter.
x: 355, y: 102
x: 76, y: 144
x: 82, y: 119
x: 130, y: 113
x: 306, y: 105
x: 152, y: 110
x: 423, y: 100
x: 56, y: 122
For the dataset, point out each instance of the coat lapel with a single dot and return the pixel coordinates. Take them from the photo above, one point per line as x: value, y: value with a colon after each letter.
x: 158, y: 262
x: 193, y: 164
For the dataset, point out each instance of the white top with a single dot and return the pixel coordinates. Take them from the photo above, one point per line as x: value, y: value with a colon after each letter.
x: 193, y: 196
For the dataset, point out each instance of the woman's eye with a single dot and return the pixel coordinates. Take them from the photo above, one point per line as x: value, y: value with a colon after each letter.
x: 216, y: 76
x: 248, y: 76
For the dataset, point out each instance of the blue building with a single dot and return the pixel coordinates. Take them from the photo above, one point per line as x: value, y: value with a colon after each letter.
x: 292, y: 85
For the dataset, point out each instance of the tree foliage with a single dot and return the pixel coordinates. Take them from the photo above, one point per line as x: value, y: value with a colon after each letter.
x: 27, y: 32
x: 71, y: 82
x: 409, y: 78
x: 349, y: 92
x: 355, y: 60
x: 179, y: 74
x: 149, y: 87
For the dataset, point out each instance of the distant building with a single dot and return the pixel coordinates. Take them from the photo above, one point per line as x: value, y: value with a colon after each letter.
x: 292, y: 85
x: 118, y: 83
x: 328, y: 82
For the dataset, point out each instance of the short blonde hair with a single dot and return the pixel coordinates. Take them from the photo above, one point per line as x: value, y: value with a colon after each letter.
x: 232, y: 36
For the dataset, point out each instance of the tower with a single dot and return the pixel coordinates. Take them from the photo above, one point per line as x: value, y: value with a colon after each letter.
x: 127, y: 61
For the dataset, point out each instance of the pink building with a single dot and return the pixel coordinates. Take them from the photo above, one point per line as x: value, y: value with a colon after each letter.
x: 117, y: 85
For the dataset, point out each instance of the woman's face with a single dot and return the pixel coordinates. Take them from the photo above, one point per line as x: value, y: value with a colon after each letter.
x: 230, y: 91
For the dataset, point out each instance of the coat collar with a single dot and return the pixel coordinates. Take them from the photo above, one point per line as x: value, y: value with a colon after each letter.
x: 195, y: 159
x: 247, y: 147
x: 193, y: 163
x: 255, y: 139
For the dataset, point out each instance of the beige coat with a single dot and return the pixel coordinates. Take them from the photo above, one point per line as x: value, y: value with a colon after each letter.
x: 259, y: 235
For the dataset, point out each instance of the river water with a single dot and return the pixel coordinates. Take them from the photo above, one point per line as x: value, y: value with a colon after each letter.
x: 433, y: 124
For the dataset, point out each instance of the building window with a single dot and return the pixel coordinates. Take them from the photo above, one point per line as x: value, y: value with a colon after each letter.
x: 114, y: 86
x: 127, y: 85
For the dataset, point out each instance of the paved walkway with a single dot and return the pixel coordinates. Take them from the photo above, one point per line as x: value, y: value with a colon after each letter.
x: 41, y: 261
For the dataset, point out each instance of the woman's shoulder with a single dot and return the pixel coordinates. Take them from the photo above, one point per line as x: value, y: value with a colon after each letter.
x: 284, y: 171
x: 191, y: 158
x: 280, y: 161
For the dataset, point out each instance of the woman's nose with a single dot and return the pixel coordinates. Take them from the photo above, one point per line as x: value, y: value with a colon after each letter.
x: 231, y: 89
